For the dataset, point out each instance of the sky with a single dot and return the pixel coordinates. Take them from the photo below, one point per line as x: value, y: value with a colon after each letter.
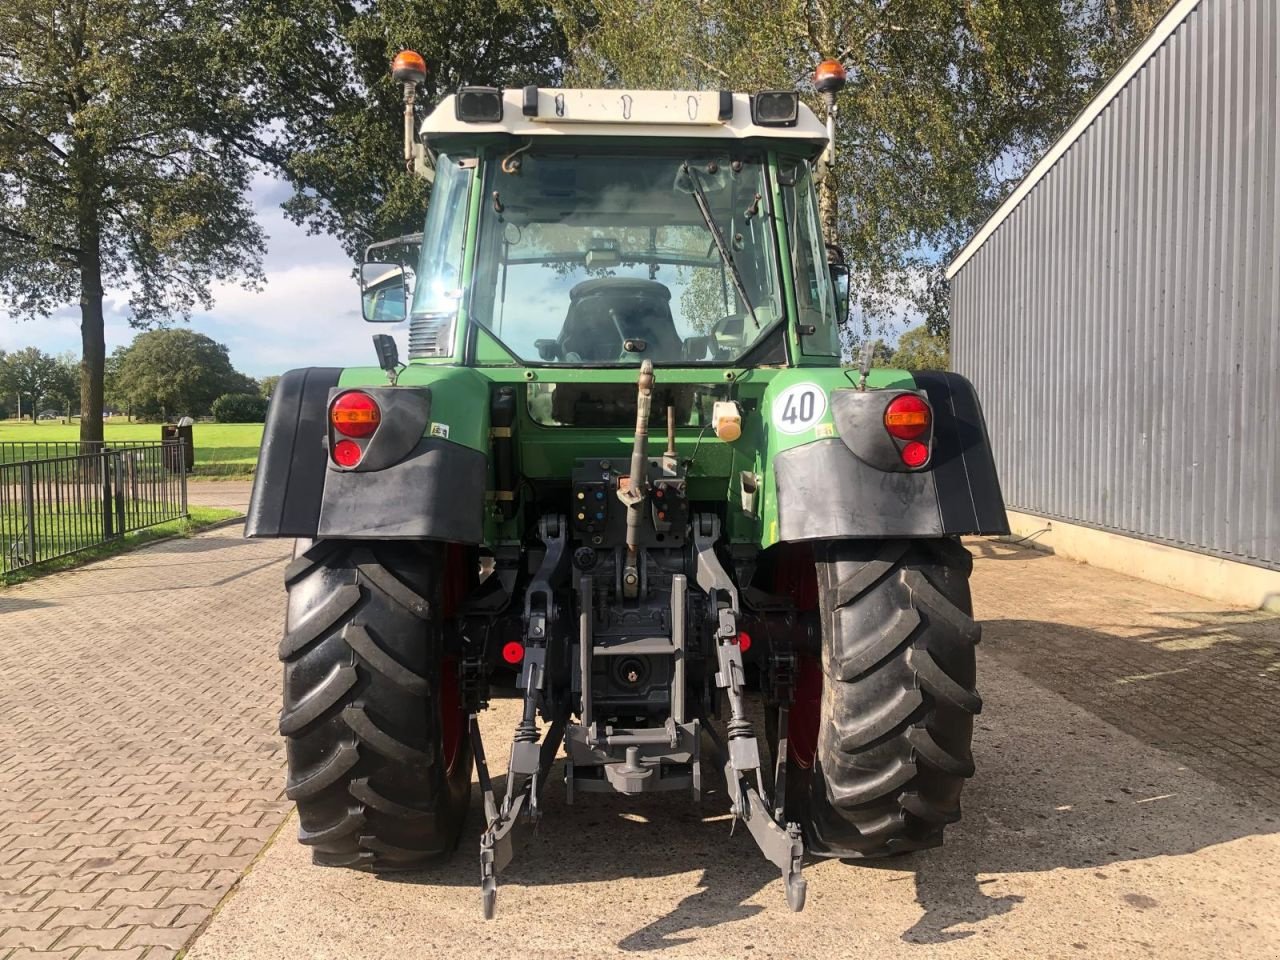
x: 306, y: 314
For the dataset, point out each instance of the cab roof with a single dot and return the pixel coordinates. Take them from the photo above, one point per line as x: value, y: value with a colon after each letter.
x: 684, y: 114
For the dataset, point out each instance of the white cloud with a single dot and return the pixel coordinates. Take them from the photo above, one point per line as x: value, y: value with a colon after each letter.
x: 306, y: 314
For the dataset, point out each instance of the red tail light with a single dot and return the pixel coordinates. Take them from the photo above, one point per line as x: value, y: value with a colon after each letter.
x: 355, y: 414
x: 744, y: 641
x: 347, y: 453
x: 915, y: 454
x: 513, y: 652
x: 907, y: 417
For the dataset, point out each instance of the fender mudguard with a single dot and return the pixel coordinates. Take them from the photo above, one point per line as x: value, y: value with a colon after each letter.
x: 825, y: 491
x: 414, y: 488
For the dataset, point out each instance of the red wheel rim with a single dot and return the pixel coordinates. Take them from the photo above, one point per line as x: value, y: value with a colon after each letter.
x: 457, y: 583
x: 452, y: 723
x: 796, y: 576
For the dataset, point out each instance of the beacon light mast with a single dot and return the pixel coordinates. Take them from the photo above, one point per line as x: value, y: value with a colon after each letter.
x: 409, y: 70
x: 828, y: 80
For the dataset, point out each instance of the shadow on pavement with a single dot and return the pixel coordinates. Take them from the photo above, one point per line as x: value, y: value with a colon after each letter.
x: 983, y: 549
x: 1067, y: 798
x: 14, y: 604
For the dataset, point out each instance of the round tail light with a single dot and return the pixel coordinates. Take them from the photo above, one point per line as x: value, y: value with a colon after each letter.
x: 907, y: 417
x: 347, y: 453
x: 915, y: 454
x: 513, y: 652
x: 354, y: 414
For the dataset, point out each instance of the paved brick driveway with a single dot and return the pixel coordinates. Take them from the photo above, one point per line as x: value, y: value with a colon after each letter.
x: 141, y: 773
x: 1179, y: 672
x: 141, y: 770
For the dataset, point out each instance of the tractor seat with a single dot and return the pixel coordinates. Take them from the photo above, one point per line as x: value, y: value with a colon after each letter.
x: 605, y: 311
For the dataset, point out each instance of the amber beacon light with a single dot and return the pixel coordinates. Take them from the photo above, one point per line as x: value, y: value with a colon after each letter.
x: 409, y: 70
x: 408, y: 67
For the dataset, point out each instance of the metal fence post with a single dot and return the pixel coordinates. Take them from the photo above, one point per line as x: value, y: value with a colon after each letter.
x: 118, y: 467
x: 108, y: 513
x: 182, y: 479
x: 29, y: 510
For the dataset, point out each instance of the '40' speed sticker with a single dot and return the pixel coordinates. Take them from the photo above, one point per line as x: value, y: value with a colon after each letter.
x: 799, y: 407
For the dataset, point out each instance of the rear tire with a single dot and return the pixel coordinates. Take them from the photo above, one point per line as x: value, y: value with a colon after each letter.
x: 898, y: 697
x: 379, y: 760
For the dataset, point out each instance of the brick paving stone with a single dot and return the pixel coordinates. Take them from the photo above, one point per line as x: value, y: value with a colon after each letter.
x: 140, y: 699
x: 174, y: 937
x: 35, y: 939
x: 106, y: 939
x: 1187, y: 675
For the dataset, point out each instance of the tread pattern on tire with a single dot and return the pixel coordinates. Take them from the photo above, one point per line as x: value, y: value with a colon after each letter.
x: 362, y: 673
x: 898, y: 696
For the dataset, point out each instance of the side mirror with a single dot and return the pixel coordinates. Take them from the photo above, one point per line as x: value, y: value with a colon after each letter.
x: 840, y: 280
x: 384, y: 292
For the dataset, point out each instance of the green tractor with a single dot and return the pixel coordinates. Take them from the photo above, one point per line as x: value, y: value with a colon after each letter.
x: 494, y: 516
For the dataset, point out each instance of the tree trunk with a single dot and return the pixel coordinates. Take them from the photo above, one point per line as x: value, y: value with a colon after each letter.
x: 93, y: 346
x: 828, y: 202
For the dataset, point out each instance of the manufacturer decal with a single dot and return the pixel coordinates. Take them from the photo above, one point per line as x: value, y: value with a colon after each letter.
x: 798, y: 408
x: 440, y: 430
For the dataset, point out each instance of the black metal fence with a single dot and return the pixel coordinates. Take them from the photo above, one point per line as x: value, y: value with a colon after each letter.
x: 58, y: 505
x: 14, y: 451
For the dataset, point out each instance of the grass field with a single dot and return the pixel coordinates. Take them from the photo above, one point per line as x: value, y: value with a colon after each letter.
x: 222, y: 449
x: 200, y: 517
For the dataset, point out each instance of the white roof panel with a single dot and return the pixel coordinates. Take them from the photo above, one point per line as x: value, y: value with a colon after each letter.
x: 624, y: 113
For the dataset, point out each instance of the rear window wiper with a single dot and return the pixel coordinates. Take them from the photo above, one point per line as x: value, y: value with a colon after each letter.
x: 704, y: 208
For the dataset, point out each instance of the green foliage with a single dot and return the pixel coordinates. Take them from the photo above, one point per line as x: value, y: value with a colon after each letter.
x: 267, y: 386
x: 176, y: 372
x: 918, y: 349
x: 324, y: 68
x: 240, y: 408
x: 121, y: 126
x: 948, y: 103
x: 881, y: 354
x: 33, y: 375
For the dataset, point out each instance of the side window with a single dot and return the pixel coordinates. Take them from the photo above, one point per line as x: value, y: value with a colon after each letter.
x: 439, y: 279
x: 815, y: 298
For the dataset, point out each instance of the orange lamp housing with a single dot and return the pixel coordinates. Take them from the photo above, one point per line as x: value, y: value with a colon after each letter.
x: 354, y: 414
x: 408, y: 67
x: 829, y: 77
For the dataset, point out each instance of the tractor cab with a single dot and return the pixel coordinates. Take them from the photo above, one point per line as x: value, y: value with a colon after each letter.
x: 611, y: 227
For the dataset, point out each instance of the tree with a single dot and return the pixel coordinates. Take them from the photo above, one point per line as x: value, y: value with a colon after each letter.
x: 918, y: 349
x: 323, y: 67
x: 948, y: 103
x: 240, y: 408
x: 267, y: 386
x: 65, y: 387
x: 29, y: 374
x: 113, y: 392
x: 120, y: 164
x: 175, y: 372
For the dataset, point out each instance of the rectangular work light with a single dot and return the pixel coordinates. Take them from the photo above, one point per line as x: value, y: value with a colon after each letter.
x: 775, y: 108
x: 479, y: 105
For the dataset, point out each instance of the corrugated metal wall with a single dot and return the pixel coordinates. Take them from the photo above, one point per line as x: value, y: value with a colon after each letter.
x: 1122, y: 326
